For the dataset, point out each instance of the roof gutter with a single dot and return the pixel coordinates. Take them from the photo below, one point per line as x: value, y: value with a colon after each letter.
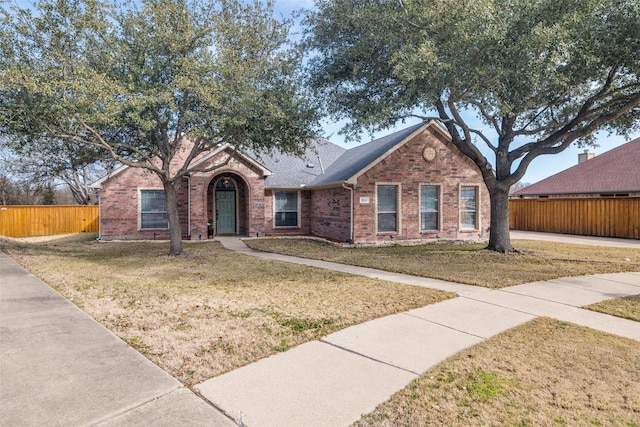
x: 332, y: 184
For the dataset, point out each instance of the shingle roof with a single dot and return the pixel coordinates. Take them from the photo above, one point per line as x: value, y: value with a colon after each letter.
x: 339, y: 164
x: 356, y: 159
x: 323, y: 162
x: 617, y: 170
x: 289, y: 171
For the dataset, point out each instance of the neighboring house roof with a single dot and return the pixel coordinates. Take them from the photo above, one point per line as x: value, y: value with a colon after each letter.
x: 617, y: 170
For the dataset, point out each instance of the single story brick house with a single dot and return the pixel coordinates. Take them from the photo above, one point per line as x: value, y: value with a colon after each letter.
x: 412, y: 184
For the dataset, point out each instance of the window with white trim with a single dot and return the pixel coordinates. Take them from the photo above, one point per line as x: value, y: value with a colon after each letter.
x: 429, y: 207
x: 387, y: 204
x: 468, y: 207
x: 286, y: 208
x: 153, y: 209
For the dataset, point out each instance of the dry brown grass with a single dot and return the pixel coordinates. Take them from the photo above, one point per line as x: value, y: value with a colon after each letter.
x: 211, y: 310
x: 627, y: 307
x: 544, y: 373
x: 468, y: 262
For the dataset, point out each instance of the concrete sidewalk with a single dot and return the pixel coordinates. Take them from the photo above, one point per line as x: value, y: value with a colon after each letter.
x: 333, y: 381
x: 576, y: 240
x: 59, y: 367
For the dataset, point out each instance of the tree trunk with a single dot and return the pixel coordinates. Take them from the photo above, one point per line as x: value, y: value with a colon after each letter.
x: 175, y: 245
x: 499, y: 239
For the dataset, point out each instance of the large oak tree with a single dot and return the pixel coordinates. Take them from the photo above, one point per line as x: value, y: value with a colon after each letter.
x: 150, y: 81
x: 539, y: 74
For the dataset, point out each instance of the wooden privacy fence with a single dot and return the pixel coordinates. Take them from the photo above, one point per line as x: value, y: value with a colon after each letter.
x: 603, y: 217
x: 25, y: 221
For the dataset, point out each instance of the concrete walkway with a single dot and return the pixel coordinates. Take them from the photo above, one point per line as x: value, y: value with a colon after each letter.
x: 333, y: 381
x: 60, y: 367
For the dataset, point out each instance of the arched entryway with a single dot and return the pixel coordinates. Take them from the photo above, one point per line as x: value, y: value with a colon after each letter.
x: 227, y: 195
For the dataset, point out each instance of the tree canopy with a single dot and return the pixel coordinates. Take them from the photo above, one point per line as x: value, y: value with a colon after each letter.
x: 538, y: 74
x: 147, y: 81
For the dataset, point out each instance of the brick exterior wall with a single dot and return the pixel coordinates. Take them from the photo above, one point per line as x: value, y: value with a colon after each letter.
x: 407, y: 168
x: 331, y: 214
x: 120, y: 206
x: 322, y: 212
x: 120, y: 202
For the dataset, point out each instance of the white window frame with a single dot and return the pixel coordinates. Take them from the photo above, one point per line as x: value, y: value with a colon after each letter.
x: 461, y: 208
x: 398, y: 210
x: 140, y: 212
x: 438, y: 210
x: 275, y: 212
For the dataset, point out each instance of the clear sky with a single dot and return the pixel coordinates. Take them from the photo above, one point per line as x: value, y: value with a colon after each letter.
x: 542, y: 167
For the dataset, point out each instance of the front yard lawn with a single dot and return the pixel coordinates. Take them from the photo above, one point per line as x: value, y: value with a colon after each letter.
x: 627, y: 307
x: 543, y: 373
x: 468, y: 262
x: 211, y: 310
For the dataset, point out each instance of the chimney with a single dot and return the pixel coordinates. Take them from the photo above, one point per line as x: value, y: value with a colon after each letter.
x: 583, y: 157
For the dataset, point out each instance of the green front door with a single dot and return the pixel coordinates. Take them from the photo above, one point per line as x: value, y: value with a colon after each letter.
x: 225, y: 212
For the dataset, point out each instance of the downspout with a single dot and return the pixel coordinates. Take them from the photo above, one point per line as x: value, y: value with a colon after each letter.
x: 189, y: 205
x: 344, y: 185
x: 99, y: 214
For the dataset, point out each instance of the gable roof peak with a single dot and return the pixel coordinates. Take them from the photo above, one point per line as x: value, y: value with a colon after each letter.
x: 357, y: 160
